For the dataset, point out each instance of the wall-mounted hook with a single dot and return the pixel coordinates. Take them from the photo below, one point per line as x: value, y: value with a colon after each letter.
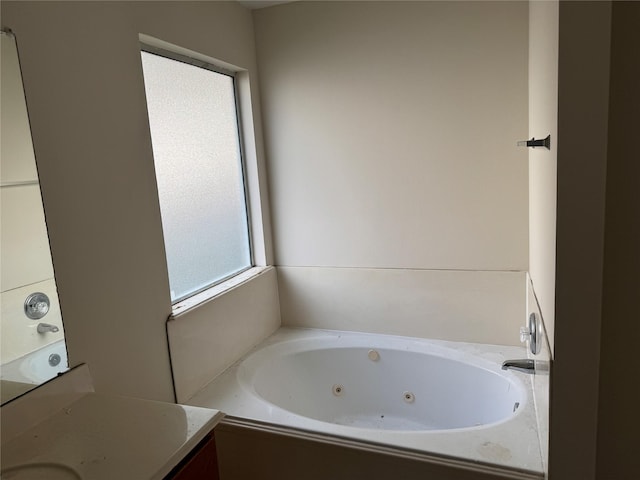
x: 542, y: 142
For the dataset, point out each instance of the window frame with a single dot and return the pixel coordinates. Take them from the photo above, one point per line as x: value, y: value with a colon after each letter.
x: 185, y: 300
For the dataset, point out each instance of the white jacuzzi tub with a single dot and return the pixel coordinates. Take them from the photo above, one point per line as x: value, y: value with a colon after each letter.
x: 38, y: 366
x: 433, y: 396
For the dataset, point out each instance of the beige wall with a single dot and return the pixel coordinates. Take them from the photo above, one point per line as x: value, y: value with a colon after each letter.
x: 391, y: 130
x: 543, y: 120
x: 84, y: 86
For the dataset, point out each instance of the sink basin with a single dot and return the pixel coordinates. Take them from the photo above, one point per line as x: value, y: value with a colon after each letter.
x: 40, y: 471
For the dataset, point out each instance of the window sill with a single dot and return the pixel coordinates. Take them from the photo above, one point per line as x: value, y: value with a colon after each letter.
x: 201, y: 298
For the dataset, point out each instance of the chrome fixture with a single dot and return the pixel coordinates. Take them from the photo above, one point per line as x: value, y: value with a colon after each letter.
x: 533, y: 334
x: 36, y: 306
x: 46, y: 327
x: 524, y: 365
x: 54, y: 360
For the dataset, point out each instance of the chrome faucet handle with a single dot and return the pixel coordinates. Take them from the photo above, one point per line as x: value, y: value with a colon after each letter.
x: 532, y: 333
x: 36, y: 305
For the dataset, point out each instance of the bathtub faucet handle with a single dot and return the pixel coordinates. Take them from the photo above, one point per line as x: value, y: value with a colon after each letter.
x: 532, y: 333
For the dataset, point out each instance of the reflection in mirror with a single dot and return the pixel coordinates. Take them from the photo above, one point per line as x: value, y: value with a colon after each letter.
x: 33, y: 349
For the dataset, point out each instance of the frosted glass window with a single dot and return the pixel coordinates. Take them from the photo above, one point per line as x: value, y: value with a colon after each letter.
x: 196, y: 150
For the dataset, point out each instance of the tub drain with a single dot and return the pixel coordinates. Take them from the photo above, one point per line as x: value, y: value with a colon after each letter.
x: 408, y: 397
x: 338, y: 390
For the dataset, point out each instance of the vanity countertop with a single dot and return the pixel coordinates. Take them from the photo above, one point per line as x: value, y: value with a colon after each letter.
x: 107, y: 437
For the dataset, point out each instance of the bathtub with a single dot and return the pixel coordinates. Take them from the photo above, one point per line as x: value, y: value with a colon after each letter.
x: 446, y: 398
x: 38, y: 366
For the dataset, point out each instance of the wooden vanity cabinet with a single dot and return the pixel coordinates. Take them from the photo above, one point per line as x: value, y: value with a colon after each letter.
x: 200, y: 464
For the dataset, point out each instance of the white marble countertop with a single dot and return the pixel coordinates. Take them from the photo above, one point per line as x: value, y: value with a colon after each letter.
x: 97, y: 436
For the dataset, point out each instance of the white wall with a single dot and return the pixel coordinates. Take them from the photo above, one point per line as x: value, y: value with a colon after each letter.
x: 391, y: 132
x: 84, y: 85
x: 543, y: 120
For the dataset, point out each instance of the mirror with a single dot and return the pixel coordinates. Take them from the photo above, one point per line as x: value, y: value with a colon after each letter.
x: 32, y: 346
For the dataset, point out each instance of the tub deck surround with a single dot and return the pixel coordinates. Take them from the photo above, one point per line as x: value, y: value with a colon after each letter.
x: 207, y: 339
x: 99, y: 437
x: 511, y: 443
x: 454, y: 305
